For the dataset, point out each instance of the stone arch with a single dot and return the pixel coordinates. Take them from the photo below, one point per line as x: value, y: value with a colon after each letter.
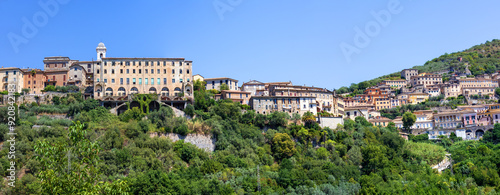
x: 98, y: 90
x: 122, y: 91
x: 109, y: 91
x: 134, y: 90
x: 165, y: 91
x: 177, y: 91
x: 152, y: 90
x: 189, y: 90
x: 135, y: 104
x: 154, y: 105
x: 468, y: 134
x: 479, y: 133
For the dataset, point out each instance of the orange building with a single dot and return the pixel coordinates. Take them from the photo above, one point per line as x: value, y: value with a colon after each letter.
x: 34, y: 80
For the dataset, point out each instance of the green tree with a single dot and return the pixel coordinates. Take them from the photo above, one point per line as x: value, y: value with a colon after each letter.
x: 283, y: 146
x: 49, y: 88
x: 70, y: 167
x: 223, y: 86
x: 408, y: 120
x: 189, y: 110
x: 308, y: 118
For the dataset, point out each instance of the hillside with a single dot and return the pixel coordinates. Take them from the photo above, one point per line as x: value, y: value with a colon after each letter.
x: 482, y: 58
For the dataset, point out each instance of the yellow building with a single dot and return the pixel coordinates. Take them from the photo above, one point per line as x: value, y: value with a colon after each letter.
x: 118, y: 77
x: 415, y: 98
x: 11, y: 78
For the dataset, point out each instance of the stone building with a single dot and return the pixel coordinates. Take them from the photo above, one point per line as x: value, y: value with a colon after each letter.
x: 426, y: 79
x: 123, y: 76
x: 242, y: 97
x: 408, y: 73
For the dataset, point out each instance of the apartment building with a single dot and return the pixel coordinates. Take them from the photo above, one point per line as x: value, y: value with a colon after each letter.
x: 324, y: 97
x: 408, y: 73
x: 11, y: 78
x: 451, y: 90
x: 123, y: 76
x: 448, y: 120
x: 242, y: 97
x: 56, y: 70
x: 493, y: 112
x: 257, y: 88
x: 215, y: 83
x: 469, y: 118
x: 415, y: 98
x: 34, y: 80
x: 78, y: 76
x: 426, y: 79
x: 289, y: 104
x: 380, y: 121
x: 197, y: 77
x: 398, y: 84
x: 433, y: 90
x: 339, y: 106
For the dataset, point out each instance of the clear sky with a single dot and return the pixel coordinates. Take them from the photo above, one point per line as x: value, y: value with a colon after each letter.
x: 308, y: 42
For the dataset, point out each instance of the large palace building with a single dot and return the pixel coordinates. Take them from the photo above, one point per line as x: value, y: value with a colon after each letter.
x: 119, y: 77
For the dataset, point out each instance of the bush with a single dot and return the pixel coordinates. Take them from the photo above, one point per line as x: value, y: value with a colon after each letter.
x: 182, y: 129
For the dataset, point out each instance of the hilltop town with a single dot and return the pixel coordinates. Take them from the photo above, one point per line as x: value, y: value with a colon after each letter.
x: 444, y: 101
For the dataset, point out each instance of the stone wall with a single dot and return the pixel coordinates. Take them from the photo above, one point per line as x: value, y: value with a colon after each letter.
x: 330, y: 122
x: 201, y: 141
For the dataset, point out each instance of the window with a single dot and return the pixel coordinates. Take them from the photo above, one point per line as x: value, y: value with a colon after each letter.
x: 29, y: 82
x: 140, y: 81
x: 145, y: 81
x: 146, y: 63
x: 157, y: 71
x: 173, y: 80
x: 146, y: 71
x: 180, y: 71
x: 139, y: 71
x: 180, y: 80
x: 139, y: 63
x: 158, y: 81
x: 128, y: 81
x: 105, y: 80
x: 173, y: 71
x: 121, y: 81
x: 164, y: 71
x: 121, y: 71
x: 112, y: 71
x: 187, y: 71
x: 133, y: 71
x: 127, y: 71
x: 112, y: 80
x: 97, y: 79
x: 64, y: 77
x: 97, y: 71
x: 164, y: 81
x: 133, y: 81
x: 105, y: 71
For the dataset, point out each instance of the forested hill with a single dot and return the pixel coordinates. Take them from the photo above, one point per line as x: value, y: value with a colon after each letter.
x: 482, y: 58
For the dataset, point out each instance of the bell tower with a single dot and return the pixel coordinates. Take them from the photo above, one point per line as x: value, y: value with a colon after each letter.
x: 101, y: 51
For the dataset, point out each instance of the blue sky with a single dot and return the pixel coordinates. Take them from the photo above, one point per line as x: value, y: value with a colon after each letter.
x: 279, y: 40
